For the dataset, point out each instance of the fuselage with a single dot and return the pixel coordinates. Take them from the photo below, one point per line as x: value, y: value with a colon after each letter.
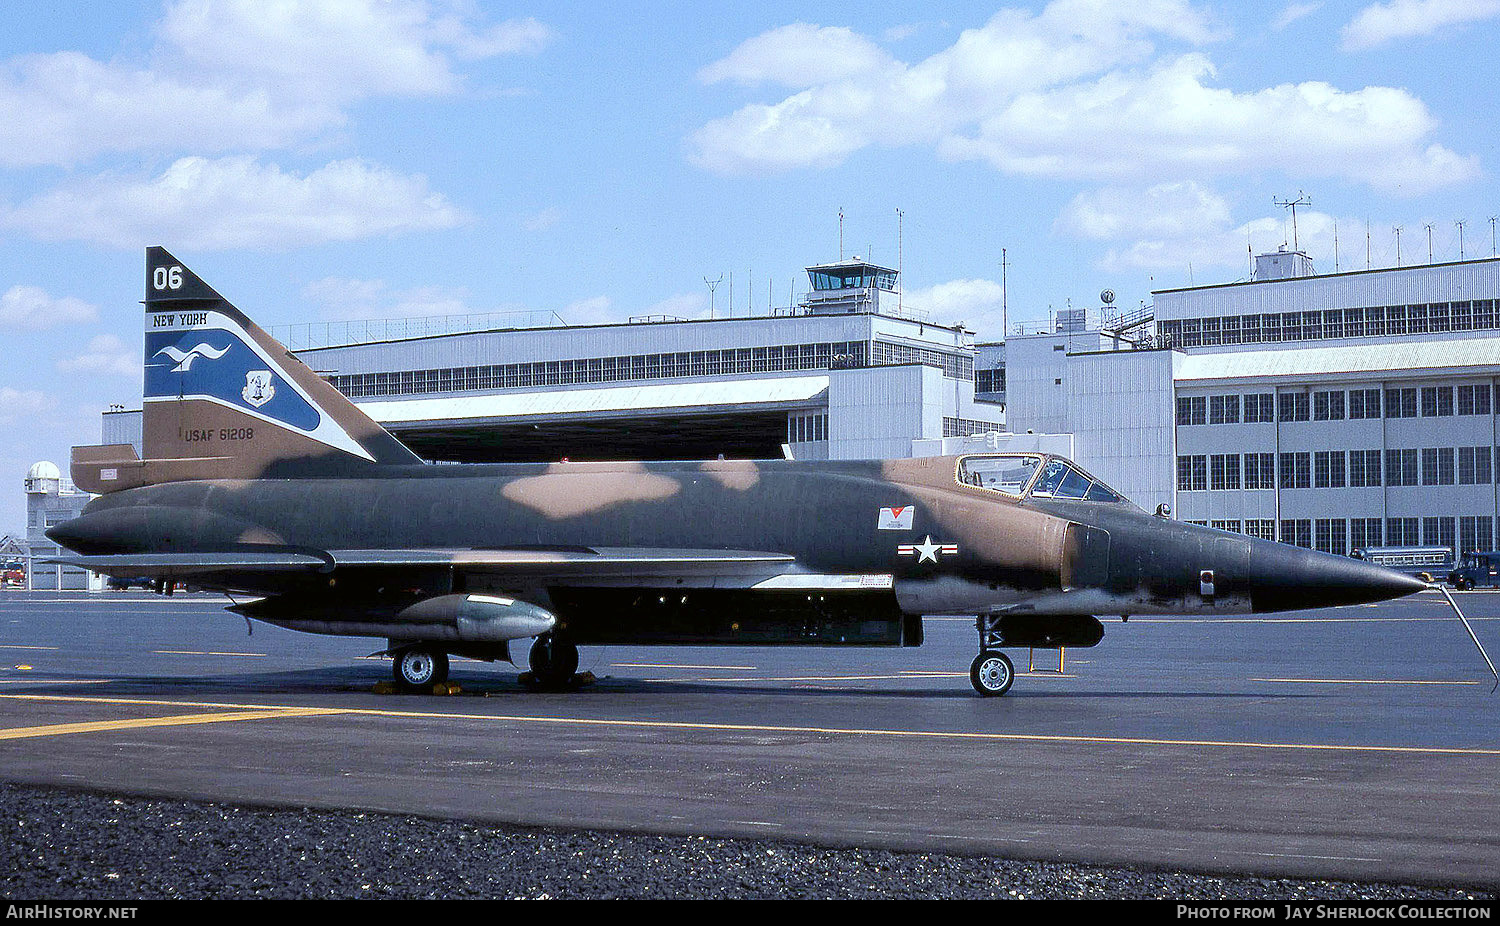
x: 948, y: 547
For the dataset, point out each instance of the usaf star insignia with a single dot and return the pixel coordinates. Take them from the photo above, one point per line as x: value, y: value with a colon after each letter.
x: 926, y: 551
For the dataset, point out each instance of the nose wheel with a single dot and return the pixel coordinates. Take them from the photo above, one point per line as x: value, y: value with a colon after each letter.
x: 992, y: 673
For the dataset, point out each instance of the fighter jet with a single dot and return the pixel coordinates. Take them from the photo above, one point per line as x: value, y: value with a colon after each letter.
x: 259, y: 478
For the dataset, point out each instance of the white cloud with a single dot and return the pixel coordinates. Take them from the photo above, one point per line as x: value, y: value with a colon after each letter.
x: 594, y: 310
x: 338, y: 49
x: 1168, y: 122
x: 23, y: 403
x: 66, y: 108
x: 228, y: 75
x: 799, y: 55
x: 1078, y: 90
x: 975, y: 302
x: 342, y: 298
x: 877, y: 99
x: 1380, y: 23
x: 235, y: 202
x: 30, y: 307
x: 1164, y: 209
x: 1293, y: 12
x: 1333, y: 243
x: 682, y: 305
x: 105, y: 354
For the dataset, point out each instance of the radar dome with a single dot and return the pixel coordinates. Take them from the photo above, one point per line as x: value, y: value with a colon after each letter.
x: 43, y: 477
x: 44, y: 470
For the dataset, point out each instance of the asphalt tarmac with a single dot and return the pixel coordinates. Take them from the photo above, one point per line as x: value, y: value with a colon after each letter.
x: 1358, y: 744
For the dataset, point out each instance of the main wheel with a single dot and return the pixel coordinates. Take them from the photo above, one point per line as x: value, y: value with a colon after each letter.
x: 553, y: 661
x: 992, y: 673
x: 420, y: 667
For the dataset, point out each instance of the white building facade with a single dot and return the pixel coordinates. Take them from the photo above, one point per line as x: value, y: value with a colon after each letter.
x: 1336, y: 412
x: 1341, y: 411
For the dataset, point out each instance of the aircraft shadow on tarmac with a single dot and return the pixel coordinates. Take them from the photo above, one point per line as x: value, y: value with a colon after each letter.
x: 363, y: 679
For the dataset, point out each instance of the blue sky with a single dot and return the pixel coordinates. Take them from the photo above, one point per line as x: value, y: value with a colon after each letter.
x: 359, y: 159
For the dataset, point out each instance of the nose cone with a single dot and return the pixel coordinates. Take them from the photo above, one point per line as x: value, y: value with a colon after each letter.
x: 1288, y: 578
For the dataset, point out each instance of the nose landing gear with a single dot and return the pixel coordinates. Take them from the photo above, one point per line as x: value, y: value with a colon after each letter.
x: 992, y: 673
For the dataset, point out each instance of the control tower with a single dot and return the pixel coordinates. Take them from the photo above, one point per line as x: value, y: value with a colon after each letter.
x: 852, y: 286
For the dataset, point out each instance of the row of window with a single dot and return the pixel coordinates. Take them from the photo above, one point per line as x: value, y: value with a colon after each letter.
x: 964, y: 427
x: 1337, y: 535
x: 821, y: 356
x: 801, y: 429
x: 1337, y: 405
x: 1367, y: 322
x: 1337, y: 469
x: 954, y: 366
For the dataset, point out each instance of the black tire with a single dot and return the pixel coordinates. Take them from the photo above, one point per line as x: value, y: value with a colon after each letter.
x: 992, y: 673
x: 554, y: 662
x: 418, y: 668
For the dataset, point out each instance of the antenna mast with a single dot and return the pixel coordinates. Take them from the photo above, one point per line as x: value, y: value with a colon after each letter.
x: 900, y: 256
x: 1292, y: 204
x: 712, y: 285
x: 1004, y: 297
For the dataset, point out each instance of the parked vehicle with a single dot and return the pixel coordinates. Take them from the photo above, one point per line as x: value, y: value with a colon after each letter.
x: 1425, y: 563
x: 1476, y: 570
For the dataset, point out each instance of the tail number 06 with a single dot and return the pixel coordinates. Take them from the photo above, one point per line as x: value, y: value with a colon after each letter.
x: 166, y: 278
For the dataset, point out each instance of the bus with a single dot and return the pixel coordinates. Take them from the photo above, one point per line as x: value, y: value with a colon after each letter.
x: 1426, y: 563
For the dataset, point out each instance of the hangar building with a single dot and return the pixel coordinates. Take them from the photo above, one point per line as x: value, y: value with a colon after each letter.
x: 1334, y: 411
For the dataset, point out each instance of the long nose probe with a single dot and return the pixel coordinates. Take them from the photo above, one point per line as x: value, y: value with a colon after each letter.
x: 1465, y: 621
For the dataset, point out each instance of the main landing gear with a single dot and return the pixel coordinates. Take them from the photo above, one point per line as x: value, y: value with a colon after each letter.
x: 420, y: 667
x: 991, y: 673
x: 554, y: 662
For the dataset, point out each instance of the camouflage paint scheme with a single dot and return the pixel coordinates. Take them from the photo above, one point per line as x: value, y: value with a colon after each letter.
x: 312, y: 503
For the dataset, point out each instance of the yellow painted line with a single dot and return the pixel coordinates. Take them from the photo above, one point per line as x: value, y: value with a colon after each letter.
x: 671, y: 665
x: 1037, y: 674
x: 1366, y: 681
x: 797, y: 678
x: 19, y: 646
x: 1298, y: 620
x: 1053, y: 738
x: 187, y: 652
x: 176, y: 720
x: 904, y: 677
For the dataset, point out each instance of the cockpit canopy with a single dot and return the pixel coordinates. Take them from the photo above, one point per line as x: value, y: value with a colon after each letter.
x: 1033, y: 475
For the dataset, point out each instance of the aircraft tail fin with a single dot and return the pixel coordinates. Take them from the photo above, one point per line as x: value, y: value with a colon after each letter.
x: 225, y: 400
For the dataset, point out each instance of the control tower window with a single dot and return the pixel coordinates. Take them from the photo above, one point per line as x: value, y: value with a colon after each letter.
x: 829, y: 278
